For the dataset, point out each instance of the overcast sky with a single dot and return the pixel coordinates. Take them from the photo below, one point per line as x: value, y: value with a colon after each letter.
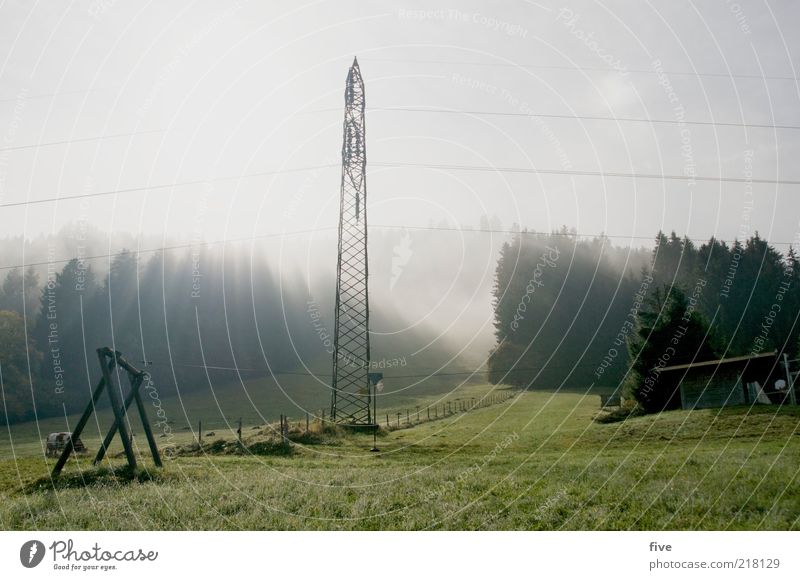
x: 215, y: 92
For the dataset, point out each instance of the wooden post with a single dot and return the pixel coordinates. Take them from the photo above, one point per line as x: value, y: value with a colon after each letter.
x: 109, y: 359
x: 387, y: 419
x: 429, y: 413
x: 113, y: 431
x: 200, y: 432
x: 148, y: 431
x: 239, y: 431
x: 407, y: 421
x: 307, y: 423
x: 398, y: 419
x: 116, y: 407
x: 98, y: 390
x: 417, y: 413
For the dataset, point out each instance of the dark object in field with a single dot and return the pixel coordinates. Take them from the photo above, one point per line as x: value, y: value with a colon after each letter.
x: 607, y: 401
x: 57, y: 442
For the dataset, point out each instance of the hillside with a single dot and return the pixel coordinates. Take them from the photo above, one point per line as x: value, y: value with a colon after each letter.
x: 537, y: 461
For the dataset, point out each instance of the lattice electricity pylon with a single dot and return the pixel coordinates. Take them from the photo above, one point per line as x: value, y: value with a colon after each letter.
x: 351, y: 392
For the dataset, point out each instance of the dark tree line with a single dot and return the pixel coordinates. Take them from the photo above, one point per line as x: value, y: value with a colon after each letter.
x: 560, y: 302
x: 190, y: 320
x: 601, y: 315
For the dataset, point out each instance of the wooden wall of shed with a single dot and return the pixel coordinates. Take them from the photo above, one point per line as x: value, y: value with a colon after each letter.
x: 703, y: 388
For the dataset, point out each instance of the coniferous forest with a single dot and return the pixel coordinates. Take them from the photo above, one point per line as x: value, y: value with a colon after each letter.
x: 572, y: 313
x: 152, y: 309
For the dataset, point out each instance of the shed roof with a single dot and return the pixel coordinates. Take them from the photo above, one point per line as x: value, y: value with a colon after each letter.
x: 735, y: 359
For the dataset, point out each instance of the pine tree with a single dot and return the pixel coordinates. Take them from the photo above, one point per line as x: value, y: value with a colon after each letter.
x: 668, y: 332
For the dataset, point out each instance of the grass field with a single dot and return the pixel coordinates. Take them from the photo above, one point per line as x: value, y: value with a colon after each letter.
x: 537, y: 461
x: 255, y: 401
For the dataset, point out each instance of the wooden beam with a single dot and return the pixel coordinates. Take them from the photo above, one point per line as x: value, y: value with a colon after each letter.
x: 79, y: 427
x: 113, y: 431
x: 102, y: 354
x: 151, y: 441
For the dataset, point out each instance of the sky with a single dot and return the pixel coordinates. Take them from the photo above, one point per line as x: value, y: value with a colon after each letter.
x: 222, y: 120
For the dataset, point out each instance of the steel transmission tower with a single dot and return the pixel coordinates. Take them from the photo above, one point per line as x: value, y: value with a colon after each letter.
x: 351, y: 392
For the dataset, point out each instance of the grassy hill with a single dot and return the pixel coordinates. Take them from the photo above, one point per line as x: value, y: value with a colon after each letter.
x: 537, y: 461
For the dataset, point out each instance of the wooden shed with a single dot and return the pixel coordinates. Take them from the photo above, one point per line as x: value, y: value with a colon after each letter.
x: 741, y: 380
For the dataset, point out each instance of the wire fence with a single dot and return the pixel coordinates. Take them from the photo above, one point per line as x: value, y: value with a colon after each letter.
x: 206, y: 430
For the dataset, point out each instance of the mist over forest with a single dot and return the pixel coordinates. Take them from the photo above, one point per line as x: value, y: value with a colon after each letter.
x: 202, y: 316
x: 448, y: 306
x: 574, y: 313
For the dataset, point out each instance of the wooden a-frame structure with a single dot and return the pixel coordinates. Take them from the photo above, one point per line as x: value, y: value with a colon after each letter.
x: 109, y: 359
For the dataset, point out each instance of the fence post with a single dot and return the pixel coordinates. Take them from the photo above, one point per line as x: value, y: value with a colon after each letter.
x: 398, y: 419
x: 429, y: 413
x: 417, y: 413
x: 407, y: 421
x: 387, y: 419
x: 239, y: 431
x: 200, y: 433
x: 307, y: 423
x: 284, y: 429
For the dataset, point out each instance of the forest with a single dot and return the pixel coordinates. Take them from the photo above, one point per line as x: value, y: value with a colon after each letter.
x: 202, y: 317
x: 568, y: 312
x: 153, y: 310
x: 574, y: 313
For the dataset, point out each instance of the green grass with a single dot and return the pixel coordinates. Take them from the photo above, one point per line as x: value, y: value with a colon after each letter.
x: 255, y: 401
x: 537, y: 461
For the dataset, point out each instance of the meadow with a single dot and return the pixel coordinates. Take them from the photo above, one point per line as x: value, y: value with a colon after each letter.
x: 537, y: 461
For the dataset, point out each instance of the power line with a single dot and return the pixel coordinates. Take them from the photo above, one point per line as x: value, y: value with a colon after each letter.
x: 164, y: 185
x: 24, y: 98
x: 584, y: 117
x: 81, y: 140
x: 604, y: 174
x: 587, y: 68
x: 600, y: 235
x: 167, y: 248
x: 571, y: 68
x: 442, y: 111
x: 374, y: 226
x: 450, y: 167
